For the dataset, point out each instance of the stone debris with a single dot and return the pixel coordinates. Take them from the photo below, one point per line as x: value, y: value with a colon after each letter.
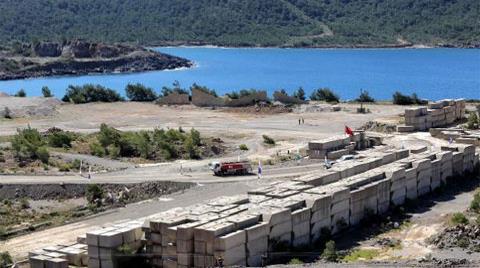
x: 246, y: 230
x: 437, y: 114
x: 464, y: 236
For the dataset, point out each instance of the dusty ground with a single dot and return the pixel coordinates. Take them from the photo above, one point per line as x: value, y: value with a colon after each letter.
x: 28, y: 107
x: 234, y: 128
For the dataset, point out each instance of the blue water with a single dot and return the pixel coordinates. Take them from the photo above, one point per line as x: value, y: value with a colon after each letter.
x: 431, y: 73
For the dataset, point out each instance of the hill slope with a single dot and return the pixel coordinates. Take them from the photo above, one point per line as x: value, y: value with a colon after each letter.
x: 245, y: 22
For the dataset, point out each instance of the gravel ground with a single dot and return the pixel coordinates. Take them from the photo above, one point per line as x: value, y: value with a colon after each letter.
x: 29, y: 106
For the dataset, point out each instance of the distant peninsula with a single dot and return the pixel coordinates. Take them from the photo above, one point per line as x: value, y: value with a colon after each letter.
x: 80, y: 57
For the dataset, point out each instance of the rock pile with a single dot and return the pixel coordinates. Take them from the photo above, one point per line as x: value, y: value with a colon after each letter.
x: 464, y: 236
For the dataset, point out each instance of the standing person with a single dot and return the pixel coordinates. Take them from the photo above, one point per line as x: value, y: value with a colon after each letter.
x: 299, y: 121
x: 259, y: 170
x: 303, y: 121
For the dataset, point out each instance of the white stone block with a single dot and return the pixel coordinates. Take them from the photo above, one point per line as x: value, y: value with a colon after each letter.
x: 112, y: 239
x: 230, y: 240
x: 257, y: 231
x: 280, y: 229
x: 258, y: 246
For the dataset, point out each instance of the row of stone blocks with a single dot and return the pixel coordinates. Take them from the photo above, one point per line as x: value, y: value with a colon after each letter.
x: 437, y: 114
x: 294, y: 214
x: 337, y: 146
x: 244, y: 230
x: 59, y: 256
x: 106, y: 244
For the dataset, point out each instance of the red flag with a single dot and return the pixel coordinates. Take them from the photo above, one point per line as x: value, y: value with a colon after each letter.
x: 348, y: 131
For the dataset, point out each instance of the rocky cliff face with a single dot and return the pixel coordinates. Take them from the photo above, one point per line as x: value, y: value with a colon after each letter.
x: 81, y: 57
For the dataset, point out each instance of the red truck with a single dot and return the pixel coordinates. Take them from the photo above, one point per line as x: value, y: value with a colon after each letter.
x: 231, y: 168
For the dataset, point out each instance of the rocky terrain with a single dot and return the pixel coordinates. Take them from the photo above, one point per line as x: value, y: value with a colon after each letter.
x: 81, y: 57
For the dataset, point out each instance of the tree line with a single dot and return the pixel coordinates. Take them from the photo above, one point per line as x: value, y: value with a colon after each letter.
x: 141, y: 93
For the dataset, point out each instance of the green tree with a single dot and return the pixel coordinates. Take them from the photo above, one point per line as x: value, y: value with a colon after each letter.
x: 21, y: 93
x: 324, y: 94
x: 204, y: 89
x: 90, y: 93
x: 299, y: 93
x: 365, y: 97
x: 46, y: 92
x: 400, y: 99
x: 138, y: 92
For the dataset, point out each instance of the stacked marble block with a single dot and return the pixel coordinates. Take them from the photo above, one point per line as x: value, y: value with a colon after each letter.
x: 59, y: 256
x: 337, y: 146
x: 437, y: 114
x: 105, y: 244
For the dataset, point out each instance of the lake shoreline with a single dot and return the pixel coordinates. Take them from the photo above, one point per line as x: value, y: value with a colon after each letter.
x: 431, y: 73
x: 353, y: 46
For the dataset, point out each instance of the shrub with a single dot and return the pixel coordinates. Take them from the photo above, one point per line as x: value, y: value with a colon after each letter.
x: 458, y: 218
x: 24, y: 204
x: 6, y: 259
x: 138, y: 92
x: 108, y: 135
x: 361, y: 254
x: 46, y: 92
x: 60, y: 139
x: 190, y: 148
x: 26, y: 144
x: 400, y: 99
x: 176, y: 89
x: 196, y: 139
x: 113, y: 151
x: 94, y: 192
x: 473, y: 122
x: 268, y: 140
x: 90, y: 93
x: 463, y: 242
x: 475, y: 204
x: 204, y: 89
x: 7, y: 113
x: 324, y: 94
x: 97, y: 150
x: 243, y: 147
x: 242, y: 93
x: 21, y: 93
x: 295, y: 261
x: 365, y: 97
x: 3, y: 232
x: 330, y: 252
x: 43, y: 154
x: 299, y: 93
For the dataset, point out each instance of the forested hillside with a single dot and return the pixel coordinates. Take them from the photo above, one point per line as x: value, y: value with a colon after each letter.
x: 245, y: 22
